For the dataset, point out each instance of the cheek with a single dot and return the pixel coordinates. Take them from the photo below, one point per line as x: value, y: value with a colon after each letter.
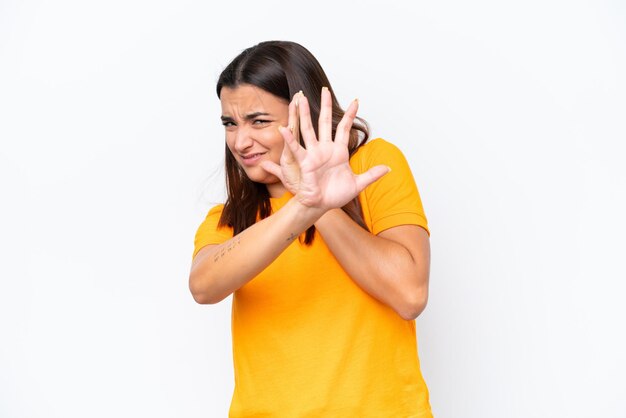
x: 273, y: 139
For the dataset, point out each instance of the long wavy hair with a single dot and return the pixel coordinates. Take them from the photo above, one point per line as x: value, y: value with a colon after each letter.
x: 281, y: 68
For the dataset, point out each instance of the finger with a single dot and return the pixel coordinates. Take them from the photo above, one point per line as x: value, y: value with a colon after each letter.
x: 370, y: 176
x: 344, y: 127
x: 306, y: 127
x: 287, y: 156
x: 296, y: 149
x: 325, y: 124
x: 272, y: 168
x: 294, y: 119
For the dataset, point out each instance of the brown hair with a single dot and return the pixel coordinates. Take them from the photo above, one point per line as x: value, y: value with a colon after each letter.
x: 281, y: 68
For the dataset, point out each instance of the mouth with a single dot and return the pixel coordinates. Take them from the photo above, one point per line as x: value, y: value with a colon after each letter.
x: 250, y: 159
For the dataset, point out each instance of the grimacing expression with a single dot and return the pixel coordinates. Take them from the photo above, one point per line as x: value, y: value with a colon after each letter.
x: 251, y: 117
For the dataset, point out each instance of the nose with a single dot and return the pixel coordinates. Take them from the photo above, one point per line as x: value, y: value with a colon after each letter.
x: 243, y: 139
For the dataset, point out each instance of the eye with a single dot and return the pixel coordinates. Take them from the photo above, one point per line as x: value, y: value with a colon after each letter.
x: 260, y: 121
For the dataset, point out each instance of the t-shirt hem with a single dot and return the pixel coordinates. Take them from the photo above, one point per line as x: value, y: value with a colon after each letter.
x: 201, y: 246
x: 396, y: 219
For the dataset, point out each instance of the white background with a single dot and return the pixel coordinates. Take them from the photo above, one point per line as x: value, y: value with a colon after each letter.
x: 512, y: 115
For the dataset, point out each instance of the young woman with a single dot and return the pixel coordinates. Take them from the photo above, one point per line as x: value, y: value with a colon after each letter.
x: 323, y: 243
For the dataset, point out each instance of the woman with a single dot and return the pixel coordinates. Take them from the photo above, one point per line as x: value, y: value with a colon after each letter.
x: 324, y: 244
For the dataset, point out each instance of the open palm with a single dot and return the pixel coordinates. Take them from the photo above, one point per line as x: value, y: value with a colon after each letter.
x: 320, y: 175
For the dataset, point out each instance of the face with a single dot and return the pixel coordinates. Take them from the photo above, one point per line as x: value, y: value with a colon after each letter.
x: 251, y: 117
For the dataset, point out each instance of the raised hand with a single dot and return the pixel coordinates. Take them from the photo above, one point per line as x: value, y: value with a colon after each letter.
x: 320, y: 175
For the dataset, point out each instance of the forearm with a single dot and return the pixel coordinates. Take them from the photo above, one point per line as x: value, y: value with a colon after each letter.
x: 230, y: 265
x: 383, y: 268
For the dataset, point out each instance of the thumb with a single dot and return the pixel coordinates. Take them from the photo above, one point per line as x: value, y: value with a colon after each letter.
x: 370, y: 176
x: 272, y: 168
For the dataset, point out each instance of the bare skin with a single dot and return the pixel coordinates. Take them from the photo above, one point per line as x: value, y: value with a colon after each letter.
x: 392, y: 266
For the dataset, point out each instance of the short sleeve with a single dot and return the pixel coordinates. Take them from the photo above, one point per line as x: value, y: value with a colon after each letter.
x: 394, y: 199
x: 209, y: 233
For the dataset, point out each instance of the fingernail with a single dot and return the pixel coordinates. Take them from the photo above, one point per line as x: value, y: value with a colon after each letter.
x: 324, y: 88
x: 356, y: 100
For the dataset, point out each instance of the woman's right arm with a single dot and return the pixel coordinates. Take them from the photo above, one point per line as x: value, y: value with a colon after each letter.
x: 320, y: 178
x: 219, y: 270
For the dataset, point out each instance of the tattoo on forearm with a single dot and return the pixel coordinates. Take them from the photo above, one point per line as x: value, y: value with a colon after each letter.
x: 226, y: 248
x: 229, y: 246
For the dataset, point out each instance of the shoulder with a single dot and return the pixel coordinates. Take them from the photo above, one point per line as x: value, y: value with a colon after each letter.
x: 211, y: 220
x: 216, y: 210
x: 374, y: 152
x: 209, y: 231
x: 393, y: 199
x: 375, y: 146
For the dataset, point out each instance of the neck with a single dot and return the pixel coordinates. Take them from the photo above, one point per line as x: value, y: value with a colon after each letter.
x: 276, y: 189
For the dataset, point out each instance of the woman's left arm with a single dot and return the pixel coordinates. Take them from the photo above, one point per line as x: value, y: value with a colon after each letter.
x: 393, y: 266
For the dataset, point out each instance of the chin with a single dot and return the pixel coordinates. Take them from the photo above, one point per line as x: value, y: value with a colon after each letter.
x: 258, y: 175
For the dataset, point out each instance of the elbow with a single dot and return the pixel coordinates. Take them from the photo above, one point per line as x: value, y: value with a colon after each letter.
x: 200, y: 292
x: 413, y: 305
x: 198, y: 295
x: 203, y: 298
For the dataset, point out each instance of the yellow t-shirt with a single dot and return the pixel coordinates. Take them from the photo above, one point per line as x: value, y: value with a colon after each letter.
x: 307, y: 341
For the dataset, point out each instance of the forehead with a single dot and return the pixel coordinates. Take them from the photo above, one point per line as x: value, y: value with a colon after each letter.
x: 246, y: 98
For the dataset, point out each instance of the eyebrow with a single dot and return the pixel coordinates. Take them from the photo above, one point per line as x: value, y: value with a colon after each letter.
x: 249, y: 116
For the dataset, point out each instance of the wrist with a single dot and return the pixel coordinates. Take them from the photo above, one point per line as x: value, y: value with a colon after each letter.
x: 328, y: 217
x: 305, y: 215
